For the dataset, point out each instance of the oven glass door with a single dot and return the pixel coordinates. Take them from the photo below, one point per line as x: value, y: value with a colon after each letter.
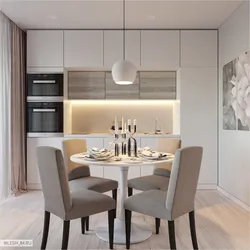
x: 45, y: 84
x: 45, y: 117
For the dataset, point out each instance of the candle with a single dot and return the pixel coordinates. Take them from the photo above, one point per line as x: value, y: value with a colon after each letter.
x: 122, y: 125
x: 129, y: 122
x: 125, y: 128
x: 134, y: 122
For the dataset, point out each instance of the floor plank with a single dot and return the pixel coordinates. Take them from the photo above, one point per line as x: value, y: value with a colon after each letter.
x: 221, y: 224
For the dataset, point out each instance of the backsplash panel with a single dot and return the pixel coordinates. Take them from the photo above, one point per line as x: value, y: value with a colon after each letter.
x: 98, y: 116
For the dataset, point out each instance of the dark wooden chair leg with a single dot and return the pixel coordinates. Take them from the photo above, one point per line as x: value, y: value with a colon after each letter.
x: 83, y: 223
x: 111, y: 218
x: 87, y: 223
x: 114, y: 196
x: 65, y: 239
x: 45, y: 229
x: 130, y: 191
x: 157, y: 225
x: 128, y: 227
x: 192, y: 230
x: 171, y: 232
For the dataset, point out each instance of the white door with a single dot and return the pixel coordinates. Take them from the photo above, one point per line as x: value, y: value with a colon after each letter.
x: 83, y: 48
x: 44, y: 48
x: 159, y: 49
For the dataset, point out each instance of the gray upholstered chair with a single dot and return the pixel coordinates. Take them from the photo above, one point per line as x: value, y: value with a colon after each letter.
x: 79, y: 175
x: 65, y: 204
x: 173, y: 203
x: 159, y: 178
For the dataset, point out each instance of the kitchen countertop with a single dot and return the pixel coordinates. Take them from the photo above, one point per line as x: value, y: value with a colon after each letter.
x: 104, y: 135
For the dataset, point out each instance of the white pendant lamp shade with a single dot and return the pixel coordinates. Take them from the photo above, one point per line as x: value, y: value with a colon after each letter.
x: 124, y: 72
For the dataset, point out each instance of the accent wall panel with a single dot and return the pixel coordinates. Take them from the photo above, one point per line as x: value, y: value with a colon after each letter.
x: 86, y: 85
x: 118, y: 92
x: 158, y: 85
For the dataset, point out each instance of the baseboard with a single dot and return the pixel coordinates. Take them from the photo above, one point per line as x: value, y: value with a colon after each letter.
x: 207, y: 186
x: 34, y: 186
x: 234, y: 199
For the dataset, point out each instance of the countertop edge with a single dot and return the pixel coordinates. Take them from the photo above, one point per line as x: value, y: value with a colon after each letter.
x: 108, y: 135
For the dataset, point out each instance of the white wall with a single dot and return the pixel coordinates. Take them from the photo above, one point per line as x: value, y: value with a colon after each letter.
x: 234, y: 146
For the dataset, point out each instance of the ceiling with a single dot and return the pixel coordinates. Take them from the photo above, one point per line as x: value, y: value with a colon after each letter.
x: 82, y: 14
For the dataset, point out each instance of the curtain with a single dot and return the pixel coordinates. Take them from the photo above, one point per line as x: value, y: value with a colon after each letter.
x: 18, y: 99
x: 5, y: 93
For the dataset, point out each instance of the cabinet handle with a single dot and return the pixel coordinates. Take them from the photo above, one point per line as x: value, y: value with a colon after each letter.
x: 44, y: 110
x: 44, y: 81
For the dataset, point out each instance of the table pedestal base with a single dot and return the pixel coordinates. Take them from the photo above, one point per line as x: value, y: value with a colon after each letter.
x: 139, y: 232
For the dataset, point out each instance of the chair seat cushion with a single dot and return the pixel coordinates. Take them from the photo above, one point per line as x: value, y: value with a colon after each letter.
x: 149, y: 182
x: 97, y: 184
x: 150, y: 203
x: 87, y: 202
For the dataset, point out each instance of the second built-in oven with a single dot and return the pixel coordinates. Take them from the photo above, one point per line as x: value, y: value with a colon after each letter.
x: 44, y: 119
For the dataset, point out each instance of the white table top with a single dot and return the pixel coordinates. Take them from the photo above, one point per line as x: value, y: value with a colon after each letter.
x: 81, y: 160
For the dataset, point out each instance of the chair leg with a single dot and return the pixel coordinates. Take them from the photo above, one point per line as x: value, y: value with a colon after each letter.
x: 171, y: 233
x: 130, y: 191
x: 83, y: 223
x: 65, y: 239
x: 45, y: 229
x: 128, y: 227
x: 111, y: 218
x: 87, y: 223
x: 157, y: 225
x: 192, y: 230
x: 114, y: 196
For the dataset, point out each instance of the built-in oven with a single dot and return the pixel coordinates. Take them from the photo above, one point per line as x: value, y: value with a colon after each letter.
x: 45, y: 87
x: 44, y: 119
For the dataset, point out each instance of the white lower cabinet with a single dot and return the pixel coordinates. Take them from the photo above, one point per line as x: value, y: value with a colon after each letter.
x: 33, y: 178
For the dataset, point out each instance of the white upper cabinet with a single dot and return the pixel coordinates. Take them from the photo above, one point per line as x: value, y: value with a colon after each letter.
x: 44, y: 48
x: 83, y: 48
x: 159, y: 50
x: 113, y: 47
x: 133, y: 47
x: 198, y: 48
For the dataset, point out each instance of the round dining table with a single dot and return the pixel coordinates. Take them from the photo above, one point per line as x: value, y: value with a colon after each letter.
x: 139, y: 231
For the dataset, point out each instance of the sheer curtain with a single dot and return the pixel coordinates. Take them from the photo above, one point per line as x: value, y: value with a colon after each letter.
x: 5, y: 93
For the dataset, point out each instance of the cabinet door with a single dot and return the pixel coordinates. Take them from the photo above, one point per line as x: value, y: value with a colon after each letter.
x: 133, y: 47
x: 113, y: 47
x: 118, y: 92
x: 158, y: 85
x: 33, y: 178
x: 83, y: 48
x: 198, y: 108
x: 86, y: 85
x: 44, y: 48
x: 199, y: 48
x: 159, y: 50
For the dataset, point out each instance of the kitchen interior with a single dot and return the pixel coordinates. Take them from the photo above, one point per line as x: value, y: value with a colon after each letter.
x: 177, y: 92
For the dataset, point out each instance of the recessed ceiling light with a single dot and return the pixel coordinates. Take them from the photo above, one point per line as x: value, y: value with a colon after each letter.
x: 151, y: 17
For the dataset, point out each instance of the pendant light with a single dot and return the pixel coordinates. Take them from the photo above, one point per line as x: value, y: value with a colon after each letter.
x: 124, y: 72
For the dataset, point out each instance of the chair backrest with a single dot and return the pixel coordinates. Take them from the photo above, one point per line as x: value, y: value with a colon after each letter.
x: 54, y: 181
x: 168, y: 145
x: 183, y: 181
x: 71, y: 147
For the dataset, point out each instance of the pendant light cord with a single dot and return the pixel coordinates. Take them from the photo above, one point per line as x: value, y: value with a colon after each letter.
x: 124, y: 38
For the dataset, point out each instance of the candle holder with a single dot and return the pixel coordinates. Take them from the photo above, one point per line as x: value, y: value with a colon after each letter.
x: 132, y: 143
